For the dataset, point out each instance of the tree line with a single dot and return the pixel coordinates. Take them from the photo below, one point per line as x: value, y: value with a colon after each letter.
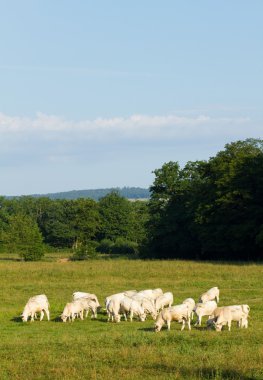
x: 210, y: 210
x: 96, y: 194
x: 30, y: 225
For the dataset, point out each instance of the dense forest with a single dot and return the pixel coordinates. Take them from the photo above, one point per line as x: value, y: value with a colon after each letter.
x: 211, y: 210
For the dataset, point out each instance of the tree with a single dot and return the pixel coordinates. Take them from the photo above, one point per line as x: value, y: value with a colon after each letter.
x: 138, y: 219
x: 84, y: 219
x: 230, y: 213
x: 22, y: 236
x: 115, y: 217
x: 170, y: 228
x: 210, y: 209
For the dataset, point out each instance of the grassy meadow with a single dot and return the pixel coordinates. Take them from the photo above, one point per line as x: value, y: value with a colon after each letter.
x: 95, y: 349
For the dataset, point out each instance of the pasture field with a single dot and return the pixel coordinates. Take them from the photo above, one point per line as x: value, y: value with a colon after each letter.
x: 95, y: 349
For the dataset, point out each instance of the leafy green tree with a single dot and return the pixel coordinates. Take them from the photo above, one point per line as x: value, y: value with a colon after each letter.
x: 139, y: 217
x: 115, y: 217
x: 55, y: 223
x: 209, y: 209
x: 230, y: 212
x: 84, y: 220
x: 23, y: 237
x: 171, y: 231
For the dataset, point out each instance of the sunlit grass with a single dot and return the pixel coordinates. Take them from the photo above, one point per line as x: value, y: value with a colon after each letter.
x: 101, y: 350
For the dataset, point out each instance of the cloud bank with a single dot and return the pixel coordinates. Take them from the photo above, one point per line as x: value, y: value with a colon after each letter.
x: 135, y: 127
x: 48, y: 153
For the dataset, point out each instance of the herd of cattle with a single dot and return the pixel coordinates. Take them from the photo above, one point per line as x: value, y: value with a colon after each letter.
x: 146, y: 302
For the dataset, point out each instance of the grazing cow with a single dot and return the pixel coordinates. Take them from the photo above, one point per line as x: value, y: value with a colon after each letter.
x: 165, y: 299
x: 179, y: 313
x: 36, y: 304
x: 147, y: 304
x: 113, y: 309
x: 89, y: 305
x: 225, y: 315
x: 203, y: 309
x: 191, y: 305
x: 210, y: 295
x: 151, y: 293
x: 79, y: 295
x: 129, y: 305
x: 71, y: 310
x: 116, y: 298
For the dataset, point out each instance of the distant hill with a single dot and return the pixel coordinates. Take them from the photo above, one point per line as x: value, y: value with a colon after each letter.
x: 96, y: 194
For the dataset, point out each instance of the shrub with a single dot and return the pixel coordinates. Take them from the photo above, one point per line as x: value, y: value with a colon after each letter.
x: 85, y: 251
x: 105, y: 246
x: 22, y: 236
x: 124, y: 247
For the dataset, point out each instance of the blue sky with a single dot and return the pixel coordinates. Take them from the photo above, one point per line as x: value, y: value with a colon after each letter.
x: 99, y: 94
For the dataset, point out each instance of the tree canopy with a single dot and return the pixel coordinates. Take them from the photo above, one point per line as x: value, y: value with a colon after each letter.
x: 209, y: 209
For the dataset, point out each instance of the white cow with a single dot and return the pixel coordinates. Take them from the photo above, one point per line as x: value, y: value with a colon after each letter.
x: 225, y: 315
x: 147, y: 304
x: 129, y: 305
x: 112, y: 308
x: 191, y: 305
x: 203, y: 309
x: 165, y: 299
x: 71, y: 310
x: 36, y: 304
x: 89, y: 305
x: 79, y: 295
x: 130, y: 293
x: 210, y: 295
x: 151, y: 293
x: 179, y: 313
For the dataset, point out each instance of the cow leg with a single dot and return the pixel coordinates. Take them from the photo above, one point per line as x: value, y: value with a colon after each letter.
x: 183, y: 326
x: 169, y: 325
x: 189, y: 323
x: 41, y: 315
x: 197, y: 322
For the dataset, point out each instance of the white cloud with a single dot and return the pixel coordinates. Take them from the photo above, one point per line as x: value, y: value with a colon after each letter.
x: 134, y: 127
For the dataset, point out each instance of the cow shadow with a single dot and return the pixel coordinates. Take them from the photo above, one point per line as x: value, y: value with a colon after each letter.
x: 201, y: 328
x: 102, y: 320
x: 147, y: 329
x: 16, y: 319
x: 56, y: 319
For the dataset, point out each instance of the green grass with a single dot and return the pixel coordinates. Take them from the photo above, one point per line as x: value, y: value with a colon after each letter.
x: 99, y: 350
